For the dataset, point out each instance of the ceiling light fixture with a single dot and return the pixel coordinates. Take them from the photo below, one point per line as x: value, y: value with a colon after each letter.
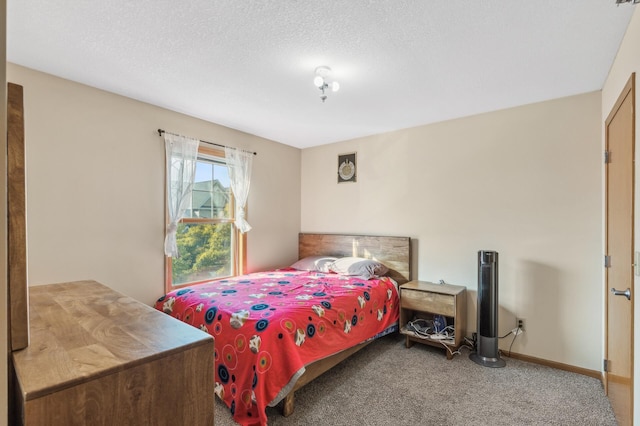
x: 627, y: 1
x: 323, y: 83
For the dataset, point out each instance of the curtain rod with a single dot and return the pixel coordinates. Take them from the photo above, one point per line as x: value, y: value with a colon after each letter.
x: 160, y: 132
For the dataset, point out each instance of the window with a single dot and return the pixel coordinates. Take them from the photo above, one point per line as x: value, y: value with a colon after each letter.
x: 210, y: 247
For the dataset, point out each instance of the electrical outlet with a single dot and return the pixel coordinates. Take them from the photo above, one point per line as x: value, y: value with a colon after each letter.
x: 520, y: 323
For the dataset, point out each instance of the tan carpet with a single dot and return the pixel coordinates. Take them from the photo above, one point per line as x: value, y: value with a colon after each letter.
x: 387, y: 384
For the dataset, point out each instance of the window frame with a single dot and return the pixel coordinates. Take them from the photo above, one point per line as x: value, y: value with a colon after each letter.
x: 240, y: 240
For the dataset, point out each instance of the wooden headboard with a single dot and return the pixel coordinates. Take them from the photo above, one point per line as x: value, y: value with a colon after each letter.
x: 393, y: 252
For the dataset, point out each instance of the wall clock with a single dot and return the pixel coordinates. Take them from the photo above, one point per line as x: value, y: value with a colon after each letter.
x: 347, y: 168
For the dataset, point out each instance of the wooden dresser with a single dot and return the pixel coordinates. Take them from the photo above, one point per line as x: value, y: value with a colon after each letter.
x: 97, y: 357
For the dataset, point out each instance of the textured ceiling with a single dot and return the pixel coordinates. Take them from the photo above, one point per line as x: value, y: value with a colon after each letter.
x: 249, y: 65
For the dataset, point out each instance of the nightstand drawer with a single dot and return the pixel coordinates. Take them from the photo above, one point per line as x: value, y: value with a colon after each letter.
x: 442, y: 304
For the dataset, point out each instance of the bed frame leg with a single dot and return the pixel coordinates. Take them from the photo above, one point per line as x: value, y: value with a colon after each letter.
x: 287, y: 407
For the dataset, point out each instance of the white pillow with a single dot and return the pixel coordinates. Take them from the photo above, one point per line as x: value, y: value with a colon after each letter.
x: 314, y: 263
x: 358, y: 266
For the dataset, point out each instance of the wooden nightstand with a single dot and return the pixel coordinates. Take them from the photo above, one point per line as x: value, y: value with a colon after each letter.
x: 421, y: 299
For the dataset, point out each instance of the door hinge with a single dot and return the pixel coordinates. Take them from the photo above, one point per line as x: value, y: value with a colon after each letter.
x: 605, y: 365
x: 607, y: 157
x: 607, y: 261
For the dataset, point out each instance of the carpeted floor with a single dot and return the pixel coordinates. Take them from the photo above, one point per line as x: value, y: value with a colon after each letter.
x: 387, y: 384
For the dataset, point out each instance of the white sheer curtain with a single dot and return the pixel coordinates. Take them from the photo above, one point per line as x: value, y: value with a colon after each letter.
x: 239, y: 163
x: 182, y: 155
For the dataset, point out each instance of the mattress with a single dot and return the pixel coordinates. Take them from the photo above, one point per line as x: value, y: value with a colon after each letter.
x: 267, y: 326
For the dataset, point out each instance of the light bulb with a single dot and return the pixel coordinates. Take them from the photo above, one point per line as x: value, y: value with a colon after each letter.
x: 335, y: 86
x: 318, y: 81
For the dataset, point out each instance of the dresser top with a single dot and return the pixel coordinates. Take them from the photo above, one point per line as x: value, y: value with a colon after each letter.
x: 83, y: 330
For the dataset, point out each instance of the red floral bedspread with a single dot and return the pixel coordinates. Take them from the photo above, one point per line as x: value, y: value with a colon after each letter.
x: 267, y: 326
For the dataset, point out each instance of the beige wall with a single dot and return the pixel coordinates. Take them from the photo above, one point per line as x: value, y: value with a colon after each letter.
x: 523, y: 181
x: 628, y: 61
x: 95, y: 187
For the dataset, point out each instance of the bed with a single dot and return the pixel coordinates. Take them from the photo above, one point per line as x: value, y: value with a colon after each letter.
x: 277, y: 330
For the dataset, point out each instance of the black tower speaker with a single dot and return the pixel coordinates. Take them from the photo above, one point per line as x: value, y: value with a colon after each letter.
x: 487, y: 345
